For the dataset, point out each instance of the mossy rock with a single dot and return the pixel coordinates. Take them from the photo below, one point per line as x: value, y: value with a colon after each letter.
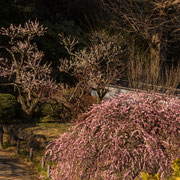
x: 8, y: 106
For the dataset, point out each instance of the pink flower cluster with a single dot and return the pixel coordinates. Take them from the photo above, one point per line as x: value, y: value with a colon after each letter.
x: 119, y: 139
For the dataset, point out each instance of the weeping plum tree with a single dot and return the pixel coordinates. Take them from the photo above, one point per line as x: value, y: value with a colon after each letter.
x: 119, y: 139
x: 23, y: 66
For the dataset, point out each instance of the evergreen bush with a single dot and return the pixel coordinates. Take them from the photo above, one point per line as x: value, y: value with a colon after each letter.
x: 51, y: 109
x: 8, y: 106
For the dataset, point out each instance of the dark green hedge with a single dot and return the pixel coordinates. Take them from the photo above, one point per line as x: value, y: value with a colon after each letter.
x: 8, y: 106
x: 51, y: 110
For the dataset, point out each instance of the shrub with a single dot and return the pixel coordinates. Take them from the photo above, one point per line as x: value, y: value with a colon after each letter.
x: 119, y: 139
x: 75, y: 101
x: 147, y: 176
x: 8, y: 105
x: 51, y: 109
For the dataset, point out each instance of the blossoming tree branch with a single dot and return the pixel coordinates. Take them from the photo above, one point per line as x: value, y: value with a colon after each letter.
x: 24, y: 68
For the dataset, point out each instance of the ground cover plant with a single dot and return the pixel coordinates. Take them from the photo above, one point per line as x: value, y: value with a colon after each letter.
x: 175, y: 173
x: 120, y: 139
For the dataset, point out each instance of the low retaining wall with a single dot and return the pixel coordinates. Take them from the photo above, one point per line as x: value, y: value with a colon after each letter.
x: 115, y: 90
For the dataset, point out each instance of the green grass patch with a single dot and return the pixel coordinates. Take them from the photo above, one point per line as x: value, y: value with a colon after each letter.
x: 50, y: 130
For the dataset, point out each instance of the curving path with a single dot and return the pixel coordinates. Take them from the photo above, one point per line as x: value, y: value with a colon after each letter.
x: 11, y: 169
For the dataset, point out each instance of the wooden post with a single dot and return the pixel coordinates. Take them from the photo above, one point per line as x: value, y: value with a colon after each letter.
x: 18, y: 146
x: 31, y: 154
x: 1, y: 139
x: 9, y: 139
x: 48, y: 170
x: 43, y: 162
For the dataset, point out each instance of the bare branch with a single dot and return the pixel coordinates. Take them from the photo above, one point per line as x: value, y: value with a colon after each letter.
x: 94, y: 67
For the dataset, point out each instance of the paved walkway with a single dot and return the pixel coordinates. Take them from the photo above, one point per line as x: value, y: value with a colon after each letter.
x: 10, y: 169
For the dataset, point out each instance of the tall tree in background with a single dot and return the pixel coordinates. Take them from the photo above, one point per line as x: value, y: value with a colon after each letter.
x: 157, y: 22
x: 16, y: 11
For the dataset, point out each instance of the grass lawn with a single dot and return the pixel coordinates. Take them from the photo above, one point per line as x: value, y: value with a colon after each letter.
x: 50, y: 130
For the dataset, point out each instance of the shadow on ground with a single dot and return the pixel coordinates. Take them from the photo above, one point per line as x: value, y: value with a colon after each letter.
x: 10, y: 169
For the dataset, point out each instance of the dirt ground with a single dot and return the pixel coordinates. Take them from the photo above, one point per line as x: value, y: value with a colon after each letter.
x: 12, y: 169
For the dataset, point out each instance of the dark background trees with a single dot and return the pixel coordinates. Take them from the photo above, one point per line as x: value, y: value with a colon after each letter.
x: 59, y: 16
x: 152, y: 29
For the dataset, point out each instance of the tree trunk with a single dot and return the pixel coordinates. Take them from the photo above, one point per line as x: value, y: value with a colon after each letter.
x: 155, y: 59
x: 101, y: 92
x: 27, y: 107
x: 158, y: 50
x: 163, y: 56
